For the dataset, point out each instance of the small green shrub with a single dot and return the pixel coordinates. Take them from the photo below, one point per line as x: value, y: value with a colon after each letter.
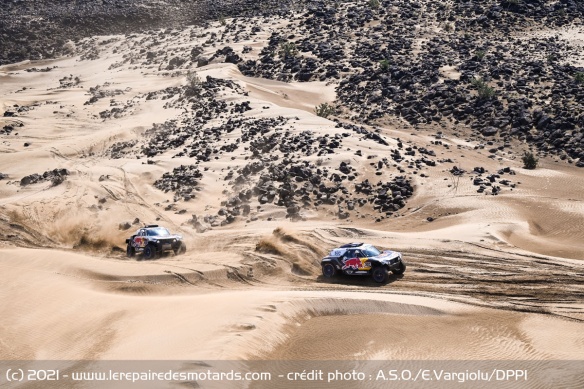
x: 529, y: 160
x: 480, y: 54
x: 384, y: 65
x: 288, y: 49
x: 374, y: 4
x: 484, y: 90
x: 551, y: 58
x: 324, y: 110
x: 579, y: 77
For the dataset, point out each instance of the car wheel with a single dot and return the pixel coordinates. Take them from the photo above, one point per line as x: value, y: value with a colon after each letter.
x: 149, y: 252
x: 400, y: 270
x: 181, y: 250
x: 130, y: 251
x: 380, y: 274
x: 329, y: 270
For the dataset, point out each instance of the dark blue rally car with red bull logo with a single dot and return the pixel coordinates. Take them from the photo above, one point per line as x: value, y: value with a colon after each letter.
x: 152, y: 241
x: 362, y: 259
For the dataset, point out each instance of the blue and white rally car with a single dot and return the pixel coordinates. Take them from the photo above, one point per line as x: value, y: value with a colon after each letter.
x: 152, y: 241
x: 362, y: 259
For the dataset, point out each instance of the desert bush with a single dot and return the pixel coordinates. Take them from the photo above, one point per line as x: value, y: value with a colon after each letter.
x: 324, y: 110
x: 551, y: 58
x: 579, y: 77
x: 69, y: 48
x: 384, y: 65
x: 374, y: 4
x: 484, y: 90
x: 480, y: 54
x: 288, y: 49
x: 529, y: 160
x: 194, y: 84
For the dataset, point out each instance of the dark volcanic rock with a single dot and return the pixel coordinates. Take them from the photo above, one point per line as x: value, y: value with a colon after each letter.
x: 56, y: 176
x: 183, y: 181
x: 38, y: 29
x: 374, y: 54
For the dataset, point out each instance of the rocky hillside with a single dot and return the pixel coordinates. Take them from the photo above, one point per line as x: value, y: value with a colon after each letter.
x: 502, y: 68
x: 37, y: 29
x: 505, y: 69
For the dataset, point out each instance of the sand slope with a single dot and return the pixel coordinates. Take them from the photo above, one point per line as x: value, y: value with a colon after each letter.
x: 71, y: 306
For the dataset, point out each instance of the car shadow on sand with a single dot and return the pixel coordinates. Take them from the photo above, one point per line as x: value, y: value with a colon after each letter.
x: 167, y: 254
x: 364, y: 281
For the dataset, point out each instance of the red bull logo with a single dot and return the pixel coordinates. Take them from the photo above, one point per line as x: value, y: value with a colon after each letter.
x: 352, y: 263
x: 139, y: 241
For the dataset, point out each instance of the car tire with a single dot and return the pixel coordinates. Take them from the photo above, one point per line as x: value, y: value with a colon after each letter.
x: 181, y: 250
x: 130, y: 251
x: 149, y: 251
x: 329, y: 270
x: 400, y: 270
x: 380, y: 274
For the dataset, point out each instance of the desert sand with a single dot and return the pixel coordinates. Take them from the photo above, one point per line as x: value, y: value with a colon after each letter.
x: 489, y: 277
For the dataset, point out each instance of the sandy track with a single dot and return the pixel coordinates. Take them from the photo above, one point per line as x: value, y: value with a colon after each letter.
x: 73, y: 306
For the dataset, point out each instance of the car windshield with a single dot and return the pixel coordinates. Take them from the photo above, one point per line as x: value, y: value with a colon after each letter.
x: 371, y: 252
x: 158, y: 231
x: 337, y: 252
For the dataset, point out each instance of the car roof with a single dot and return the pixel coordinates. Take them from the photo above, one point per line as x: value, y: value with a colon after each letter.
x: 337, y: 252
x: 151, y: 227
x: 356, y: 245
x: 351, y: 245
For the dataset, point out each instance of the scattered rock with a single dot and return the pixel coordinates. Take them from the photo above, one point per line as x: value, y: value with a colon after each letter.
x: 56, y: 176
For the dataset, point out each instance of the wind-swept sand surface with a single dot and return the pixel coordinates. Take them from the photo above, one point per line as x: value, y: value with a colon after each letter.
x: 496, y: 274
x: 71, y: 306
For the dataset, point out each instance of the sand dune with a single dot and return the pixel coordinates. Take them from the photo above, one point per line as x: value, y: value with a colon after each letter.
x: 73, y: 306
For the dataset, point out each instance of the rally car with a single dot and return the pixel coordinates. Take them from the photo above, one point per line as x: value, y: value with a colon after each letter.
x: 151, y: 241
x: 362, y: 259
